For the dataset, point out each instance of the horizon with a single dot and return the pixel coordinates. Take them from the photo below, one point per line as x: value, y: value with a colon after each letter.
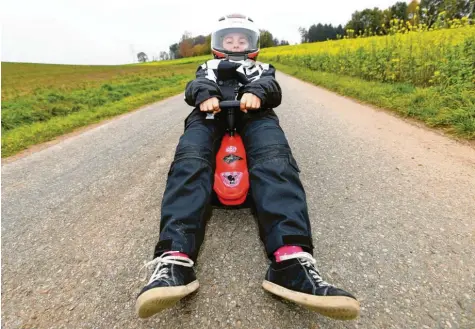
x: 112, y: 33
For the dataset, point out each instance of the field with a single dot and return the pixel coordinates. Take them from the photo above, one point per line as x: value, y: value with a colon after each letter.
x: 42, y: 101
x: 427, y: 75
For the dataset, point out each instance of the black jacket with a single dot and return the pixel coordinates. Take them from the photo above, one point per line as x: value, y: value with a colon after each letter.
x: 229, y: 80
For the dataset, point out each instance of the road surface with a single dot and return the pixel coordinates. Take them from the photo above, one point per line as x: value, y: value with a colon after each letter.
x: 392, y: 208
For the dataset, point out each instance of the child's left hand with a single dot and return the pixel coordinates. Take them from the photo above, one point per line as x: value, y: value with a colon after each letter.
x: 250, y: 102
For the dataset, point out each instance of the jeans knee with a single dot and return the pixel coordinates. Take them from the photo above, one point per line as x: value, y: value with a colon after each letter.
x: 191, y: 152
x: 266, y: 134
x: 272, y: 157
x: 195, y: 143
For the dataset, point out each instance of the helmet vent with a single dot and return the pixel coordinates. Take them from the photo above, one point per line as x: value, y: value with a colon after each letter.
x: 236, y: 16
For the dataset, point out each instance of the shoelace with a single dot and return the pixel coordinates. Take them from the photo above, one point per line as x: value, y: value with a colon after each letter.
x: 308, y: 260
x: 165, y: 258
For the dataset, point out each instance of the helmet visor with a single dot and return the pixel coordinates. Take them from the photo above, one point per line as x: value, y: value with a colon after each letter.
x: 235, y: 40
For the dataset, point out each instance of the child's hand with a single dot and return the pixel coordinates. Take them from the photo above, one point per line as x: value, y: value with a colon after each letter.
x: 210, y: 105
x: 250, y: 102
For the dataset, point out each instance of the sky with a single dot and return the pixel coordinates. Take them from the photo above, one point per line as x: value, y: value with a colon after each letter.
x: 110, y: 32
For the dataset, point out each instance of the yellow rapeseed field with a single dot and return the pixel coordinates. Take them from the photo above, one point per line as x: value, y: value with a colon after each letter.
x: 419, y: 73
x: 421, y: 57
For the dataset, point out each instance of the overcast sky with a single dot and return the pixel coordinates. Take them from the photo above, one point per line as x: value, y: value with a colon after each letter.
x: 114, y: 31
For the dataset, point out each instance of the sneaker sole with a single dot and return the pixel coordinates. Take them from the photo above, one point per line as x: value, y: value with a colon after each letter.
x: 336, y: 307
x: 157, y: 299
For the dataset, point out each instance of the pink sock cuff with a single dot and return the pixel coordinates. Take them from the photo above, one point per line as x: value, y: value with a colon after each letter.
x: 286, y: 250
x: 177, y: 253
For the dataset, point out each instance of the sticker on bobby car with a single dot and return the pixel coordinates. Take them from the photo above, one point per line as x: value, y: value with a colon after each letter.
x: 231, y: 179
x: 230, y: 158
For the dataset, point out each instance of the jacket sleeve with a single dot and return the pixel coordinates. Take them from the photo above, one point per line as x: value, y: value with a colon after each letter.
x: 203, y: 87
x: 265, y: 87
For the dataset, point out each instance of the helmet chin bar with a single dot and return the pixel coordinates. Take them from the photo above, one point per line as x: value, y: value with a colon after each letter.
x: 235, y: 56
x: 232, y: 56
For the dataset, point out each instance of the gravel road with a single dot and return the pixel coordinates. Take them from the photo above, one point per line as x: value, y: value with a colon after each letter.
x: 392, y: 206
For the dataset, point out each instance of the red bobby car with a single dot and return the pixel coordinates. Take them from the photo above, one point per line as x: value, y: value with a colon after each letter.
x: 231, y: 178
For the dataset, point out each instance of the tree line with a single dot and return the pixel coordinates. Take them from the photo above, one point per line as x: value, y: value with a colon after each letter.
x: 366, y: 22
x: 375, y: 21
x: 190, y: 46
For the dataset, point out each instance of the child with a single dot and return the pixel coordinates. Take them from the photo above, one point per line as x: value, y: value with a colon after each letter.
x: 277, y: 191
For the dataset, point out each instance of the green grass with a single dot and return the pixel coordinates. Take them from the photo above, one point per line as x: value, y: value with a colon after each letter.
x: 451, y: 108
x: 43, y: 101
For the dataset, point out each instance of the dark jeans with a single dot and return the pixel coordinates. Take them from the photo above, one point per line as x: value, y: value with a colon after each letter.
x: 276, y: 189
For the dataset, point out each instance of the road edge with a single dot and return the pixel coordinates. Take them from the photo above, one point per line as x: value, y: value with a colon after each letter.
x: 42, y: 146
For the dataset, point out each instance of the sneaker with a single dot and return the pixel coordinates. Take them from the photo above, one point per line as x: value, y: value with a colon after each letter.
x: 297, y: 279
x: 172, y: 279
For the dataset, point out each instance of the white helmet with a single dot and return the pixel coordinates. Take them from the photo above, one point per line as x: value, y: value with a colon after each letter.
x: 245, y: 27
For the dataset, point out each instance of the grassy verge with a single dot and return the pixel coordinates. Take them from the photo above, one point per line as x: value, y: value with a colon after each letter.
x: 42, y: 101
x: 450, y: 108
x: 22, y: 137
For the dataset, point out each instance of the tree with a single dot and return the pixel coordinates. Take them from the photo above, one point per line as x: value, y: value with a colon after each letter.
x: 164, y: 56
x: 340, y: 31
x: 303, y: 35
x: 142, y: 57
x: 174, y: 53
x: 458, y: 8
x: 387, y: 17
x: 399, y: 11
x: 413, y: 11
x: 471, y: 7
x: 315, y: 33
x: 432, y: 11
x: 199, y: 40
x: 186, y: 48
x: 329, y: 32
x: 208, y: 44
x: 429, y: 11
x: 185, y: 36
x: 366, y: 22
x: 321, y: 32
x: 199, y: 49
x: 267, y: 40
x: 190, y: 46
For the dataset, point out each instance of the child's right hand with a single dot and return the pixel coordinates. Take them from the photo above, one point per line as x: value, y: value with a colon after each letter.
x: 210, y: 105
